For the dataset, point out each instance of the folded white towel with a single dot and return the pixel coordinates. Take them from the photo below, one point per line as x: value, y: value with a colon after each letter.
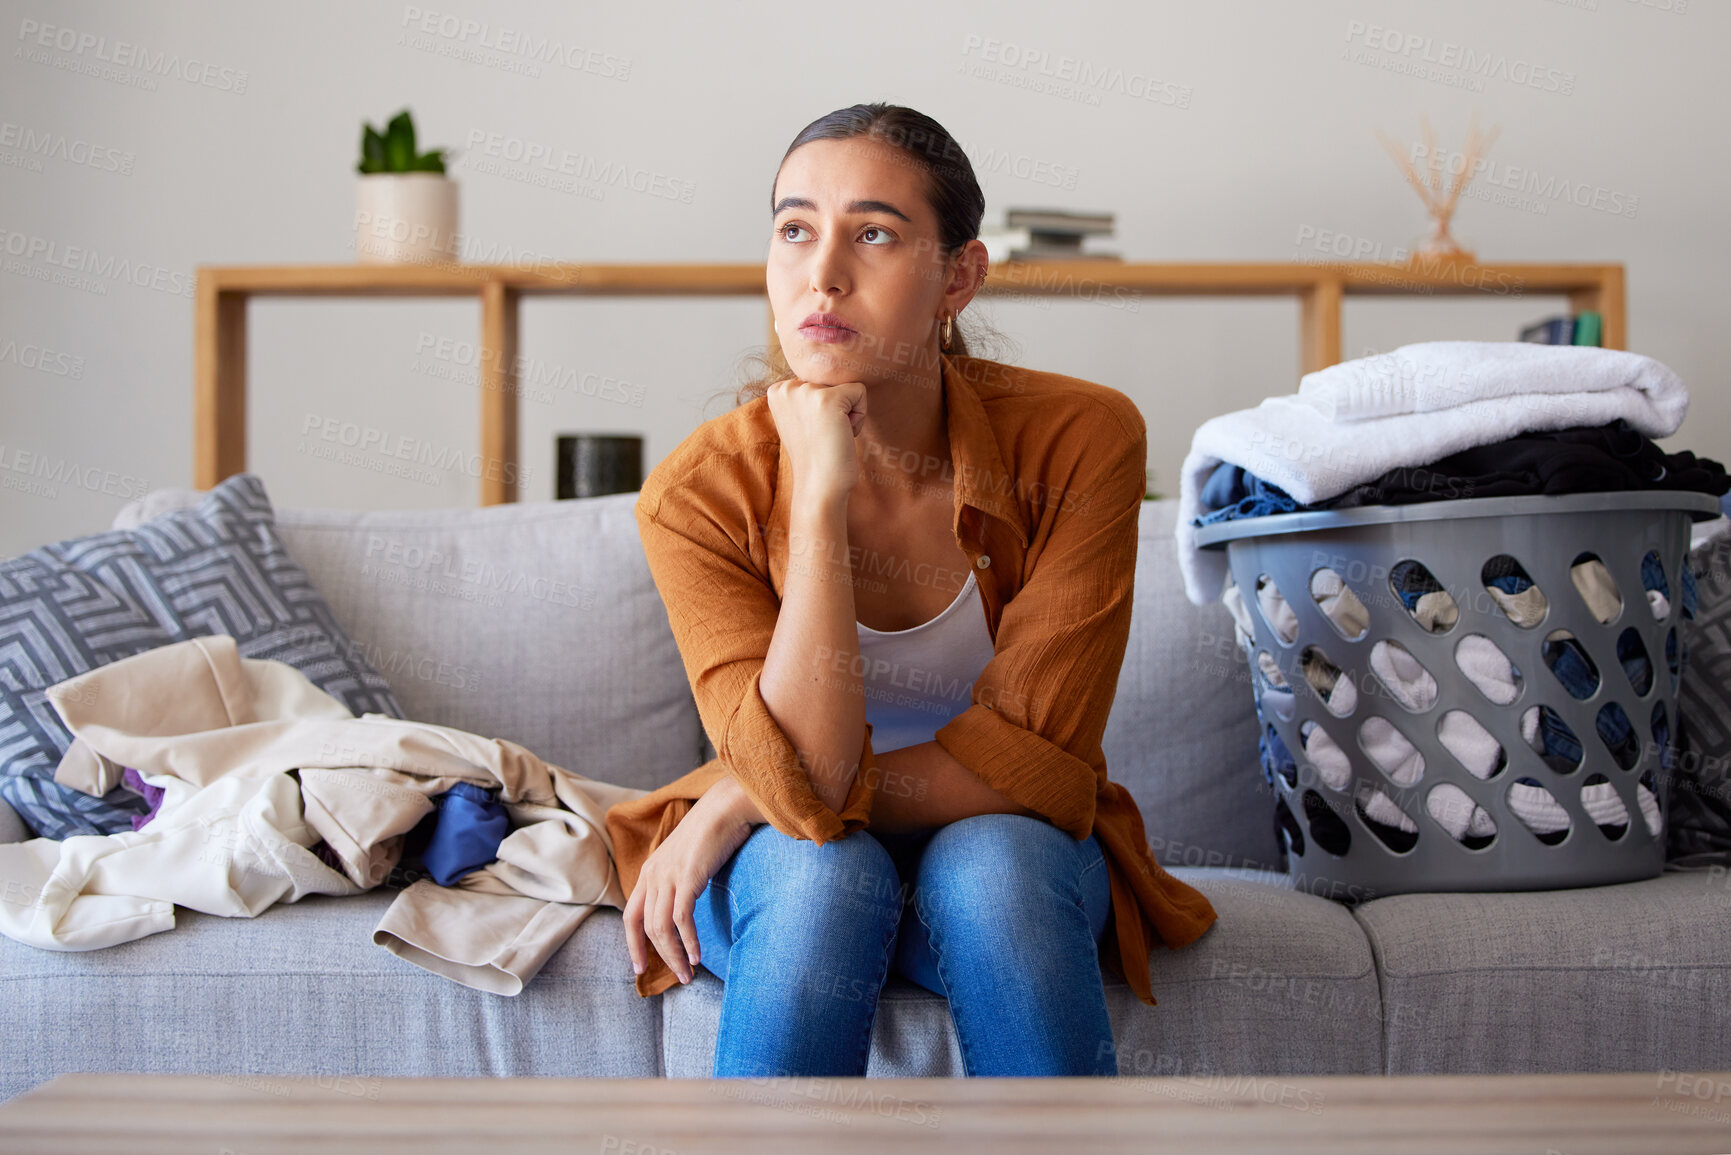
x: 1433, y: 375
x: 1288, y: 442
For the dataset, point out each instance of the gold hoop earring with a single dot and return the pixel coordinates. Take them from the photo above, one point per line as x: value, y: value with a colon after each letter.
x: 946, y: 333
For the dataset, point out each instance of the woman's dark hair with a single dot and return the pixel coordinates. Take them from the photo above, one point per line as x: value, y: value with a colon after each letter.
x: 951, y: 190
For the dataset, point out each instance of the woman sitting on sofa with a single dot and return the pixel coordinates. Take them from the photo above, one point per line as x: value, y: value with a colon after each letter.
x: 900, y: 579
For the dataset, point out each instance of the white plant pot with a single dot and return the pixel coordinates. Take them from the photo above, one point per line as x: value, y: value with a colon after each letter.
x: 406, y: 218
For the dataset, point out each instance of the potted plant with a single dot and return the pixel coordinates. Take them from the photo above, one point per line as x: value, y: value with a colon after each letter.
x: 406, y: 207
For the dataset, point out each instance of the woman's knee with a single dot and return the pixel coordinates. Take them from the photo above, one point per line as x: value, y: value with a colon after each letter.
x: 853, y: 876
x: 998, y: 862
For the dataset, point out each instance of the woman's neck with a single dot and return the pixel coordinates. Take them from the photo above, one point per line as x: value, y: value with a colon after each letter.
x: 905, y: 435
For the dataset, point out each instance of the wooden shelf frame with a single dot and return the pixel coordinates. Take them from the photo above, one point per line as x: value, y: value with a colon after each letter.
x: 224, y: 291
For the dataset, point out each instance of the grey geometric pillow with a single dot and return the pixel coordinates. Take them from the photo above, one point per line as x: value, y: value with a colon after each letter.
x: 217, y: 567
x: 1698, y: 779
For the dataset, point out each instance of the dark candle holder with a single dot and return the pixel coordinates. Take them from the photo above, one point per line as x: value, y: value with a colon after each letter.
x: 596, y: 464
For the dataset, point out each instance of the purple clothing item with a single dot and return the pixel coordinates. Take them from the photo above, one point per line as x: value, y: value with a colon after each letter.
x: 152, y: 796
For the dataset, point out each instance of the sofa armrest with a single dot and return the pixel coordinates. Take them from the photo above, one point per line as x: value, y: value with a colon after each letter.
x: 11, y: 826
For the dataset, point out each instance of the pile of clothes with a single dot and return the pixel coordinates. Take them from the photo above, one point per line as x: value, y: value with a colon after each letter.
x: 1440, y: 421
x: 263, y: 788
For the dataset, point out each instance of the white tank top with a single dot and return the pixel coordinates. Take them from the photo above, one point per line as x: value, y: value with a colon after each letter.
x: 919, y: 678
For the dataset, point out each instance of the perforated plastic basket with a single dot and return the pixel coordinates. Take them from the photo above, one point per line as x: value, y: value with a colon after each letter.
x: 1467, y: 720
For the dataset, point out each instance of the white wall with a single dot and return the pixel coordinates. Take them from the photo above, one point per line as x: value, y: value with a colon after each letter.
x: 1275, y: 142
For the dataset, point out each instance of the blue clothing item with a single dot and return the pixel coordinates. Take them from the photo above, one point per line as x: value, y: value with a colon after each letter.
x: 1662, y: 737
x: 1653, y: 574
x: 1276, y: 758
x: 1232, y: 492
x: 466, y: 835
x: 1573, y: 668
x: 1559, y: 747
x: 1632, y: 653
x: 1005, y: 921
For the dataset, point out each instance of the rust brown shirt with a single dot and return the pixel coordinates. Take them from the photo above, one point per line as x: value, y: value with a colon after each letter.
x: 1049, y: 477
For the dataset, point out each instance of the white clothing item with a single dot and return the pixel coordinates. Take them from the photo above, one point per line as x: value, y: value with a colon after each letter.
x: 1277, y: 612
x: 1437, y: 612
x: 1242, y: 627
x: 1453, y: 809
x: 1657, y: 602
x: 1391, y: 751
x: 1287, y: 442
x: 1526, y: 609
x: 1456, y: 812
x: 1488, y: 668
x: 1435, y: 375
x: 1539, y: 809
x: 1533, y: 805
x: 1597, y: 588
x: 1472, y: 745
x: 919, y: 678
x: 1411, y: 684
x: 1381, y: 808
x: 1336, y: 599
x: 232, y: 848
x: 1334, y: 688
x: 1331, y: 762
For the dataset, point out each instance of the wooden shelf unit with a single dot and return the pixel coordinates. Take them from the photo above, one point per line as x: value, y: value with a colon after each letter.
x: 220, y: 372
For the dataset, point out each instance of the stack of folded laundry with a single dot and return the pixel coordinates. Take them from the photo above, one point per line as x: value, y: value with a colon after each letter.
x: 1439, y: 421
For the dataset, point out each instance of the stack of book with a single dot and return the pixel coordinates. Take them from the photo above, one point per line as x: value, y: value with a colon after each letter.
x: 1576, y: 329
x: 1045, y: 235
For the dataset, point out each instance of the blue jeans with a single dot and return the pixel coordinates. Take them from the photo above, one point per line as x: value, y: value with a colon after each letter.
x: 1005, y: 922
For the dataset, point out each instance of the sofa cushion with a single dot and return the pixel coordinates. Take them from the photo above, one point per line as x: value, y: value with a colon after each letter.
x: 1281, y: 984
x: 1182, y: 733
x: 533, y: 621
x: 217, y: 567
x: 1630, y: 977
x: 302, y: 990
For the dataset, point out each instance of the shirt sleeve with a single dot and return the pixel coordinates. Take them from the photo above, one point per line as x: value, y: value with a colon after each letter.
x: 723, y: 613
x: 1034, y: 728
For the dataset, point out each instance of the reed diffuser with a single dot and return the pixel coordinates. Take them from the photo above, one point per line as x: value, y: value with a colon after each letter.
x: 1438, y: 201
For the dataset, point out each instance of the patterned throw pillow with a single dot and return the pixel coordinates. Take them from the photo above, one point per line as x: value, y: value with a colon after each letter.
x: 217, y: 567
x: 1698, y: 779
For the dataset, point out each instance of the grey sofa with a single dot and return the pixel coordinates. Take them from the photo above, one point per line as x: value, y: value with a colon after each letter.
x: 539, y: 622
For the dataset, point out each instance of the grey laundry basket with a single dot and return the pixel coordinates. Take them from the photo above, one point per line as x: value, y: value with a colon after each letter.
x: 1334, y: 847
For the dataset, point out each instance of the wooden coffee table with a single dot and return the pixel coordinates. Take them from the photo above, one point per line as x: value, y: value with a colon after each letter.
x: 1588, y: 1114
